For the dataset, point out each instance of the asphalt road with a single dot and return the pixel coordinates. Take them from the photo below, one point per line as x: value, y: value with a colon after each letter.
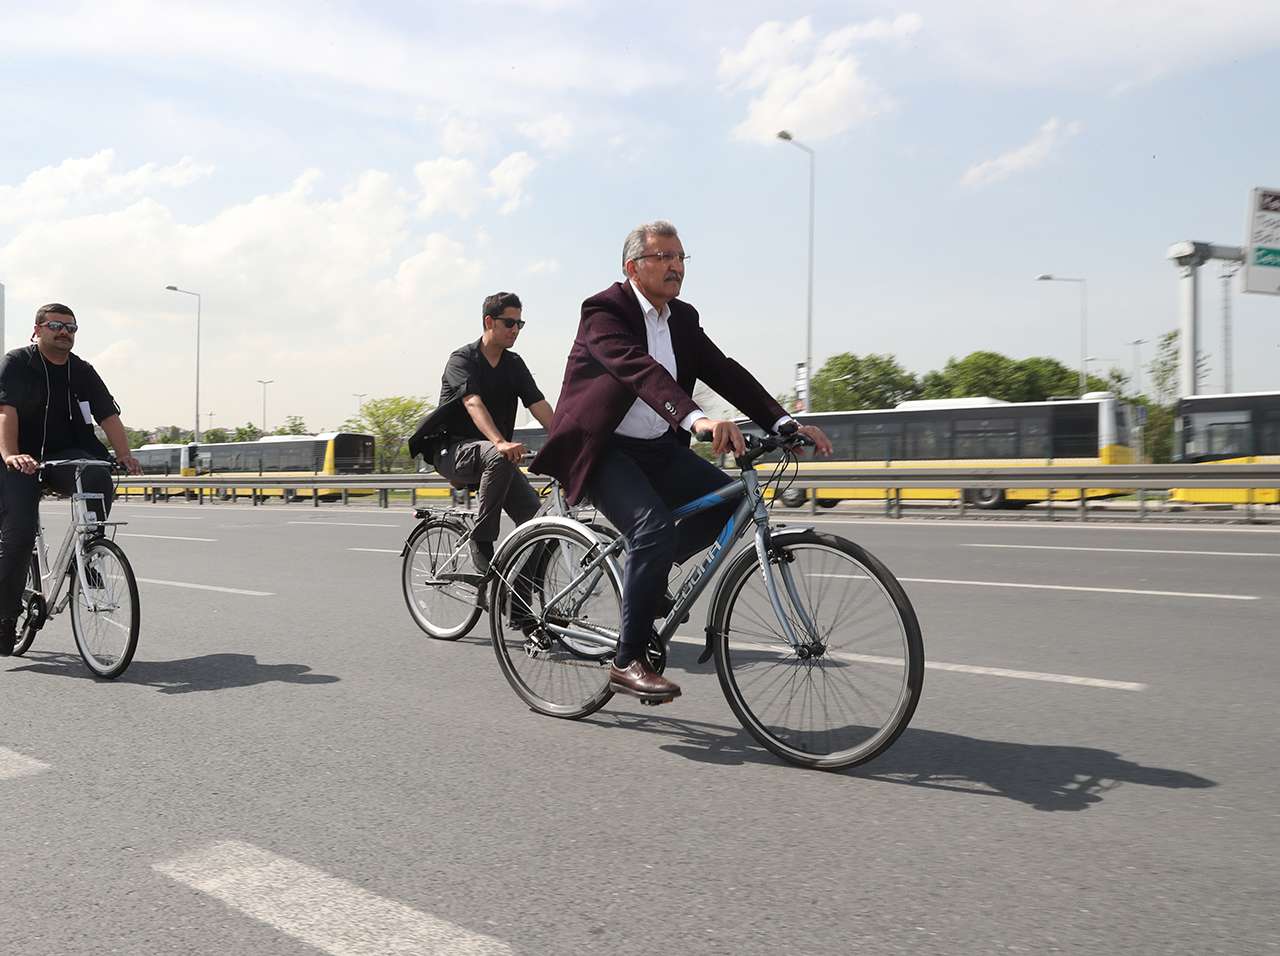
x: 1094, y: 765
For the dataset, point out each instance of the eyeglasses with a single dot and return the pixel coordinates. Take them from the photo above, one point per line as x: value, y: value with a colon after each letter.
x: 54, y: 325
x: 665, y: 257
x: 510, y: 323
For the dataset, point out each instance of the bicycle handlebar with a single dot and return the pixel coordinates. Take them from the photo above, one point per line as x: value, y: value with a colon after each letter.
x: 80, y: 463
x: 757, y: 446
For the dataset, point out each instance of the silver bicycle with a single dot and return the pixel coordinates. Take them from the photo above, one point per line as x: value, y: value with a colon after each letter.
x: 92, y: 576
x: 816, y: 644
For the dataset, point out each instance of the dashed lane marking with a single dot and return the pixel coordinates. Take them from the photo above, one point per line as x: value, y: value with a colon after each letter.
x: 14, y: 764
x: 162, y: 537
x: 346, y: 524
x: 1053, y: 547
x: 974, y: 669
x: 331, y: 914
x: 206, y: 587
x: 377, y: 550
x: 1059, y: 587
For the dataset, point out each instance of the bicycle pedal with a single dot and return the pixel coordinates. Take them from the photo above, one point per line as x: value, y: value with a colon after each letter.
x: 649, y: 699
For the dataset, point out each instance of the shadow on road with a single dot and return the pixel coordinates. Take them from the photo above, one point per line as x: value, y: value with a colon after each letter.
x: 1043, y: 776
x: 209, y: 672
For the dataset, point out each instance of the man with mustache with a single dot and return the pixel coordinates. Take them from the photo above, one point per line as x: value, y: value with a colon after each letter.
x: 49, y: 399
x: 622, y: 430
x: 468, y: 436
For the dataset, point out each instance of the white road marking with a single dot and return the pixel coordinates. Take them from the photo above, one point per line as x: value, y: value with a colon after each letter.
x: 171, y: 517
x: 162, y: 537
x: 377, y: 550
x: 1058, y: 587
x: 14, y: 764
x: 973, y: 669
x: 332, y: 915
x: 346, y: 524
x: 206, y: 587
x: 1024, y: 524
x: 1051, y: 547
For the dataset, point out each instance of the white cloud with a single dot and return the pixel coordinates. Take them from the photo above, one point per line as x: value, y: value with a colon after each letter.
x: 51, y: 190
x: 459, y: 135
x: 544, y: 267
x: 306, y: 285
x: 507, y: 180
x: 552, y: 133
x: 800, y: 82
x: 448, y: 185
x: 1029, y: 155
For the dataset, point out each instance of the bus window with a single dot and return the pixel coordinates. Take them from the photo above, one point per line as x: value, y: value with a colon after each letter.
x: 1035, y: 437
x: 986, y: 438
x: 1269, y: 434
x: 1221, y: 434
x: 1075, y: 431
x: 878, y: 441
x: 928, y: 440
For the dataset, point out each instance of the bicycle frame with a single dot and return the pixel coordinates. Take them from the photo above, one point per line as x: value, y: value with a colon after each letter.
x: 751, y: 510
x: 83, y: 523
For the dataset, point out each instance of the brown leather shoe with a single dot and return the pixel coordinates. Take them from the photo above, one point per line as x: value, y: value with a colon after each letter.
x: 638, y: 680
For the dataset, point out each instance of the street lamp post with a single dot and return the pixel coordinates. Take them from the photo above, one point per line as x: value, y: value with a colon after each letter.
x: 786, y: 137
x: 1137, y: 365
x: 1084, y: 296
x: 264, y: 382
x: 359, y: 397
x: 174, y: 288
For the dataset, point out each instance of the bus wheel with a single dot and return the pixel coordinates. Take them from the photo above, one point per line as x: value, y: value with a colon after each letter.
x: 828, y: 502
x: 794, y: 497
x: 986, y: 498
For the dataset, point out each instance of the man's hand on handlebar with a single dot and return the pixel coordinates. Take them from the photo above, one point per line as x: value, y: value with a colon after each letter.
x: 821, y: 443
x: 513, y: 451
x: 131, y: 465
x: 23, y: 463
x: 725, y: 435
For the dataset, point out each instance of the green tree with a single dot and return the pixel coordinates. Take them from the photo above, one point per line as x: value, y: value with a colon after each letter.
x: 173, y: 435
x: 293, y: 425
x: 215, y: 436
x: 137, y: 436
x: 390, y: 421
x: 848, y: 382
x: 247, y: 432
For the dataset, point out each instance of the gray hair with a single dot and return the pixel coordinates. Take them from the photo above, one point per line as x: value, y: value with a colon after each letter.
x: 633, y: 248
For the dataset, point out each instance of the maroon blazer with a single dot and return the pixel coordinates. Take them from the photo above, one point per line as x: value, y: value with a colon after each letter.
x: 609, y: 367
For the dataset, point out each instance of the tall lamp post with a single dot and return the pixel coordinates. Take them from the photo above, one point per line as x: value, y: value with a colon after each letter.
x: 1137, y: 365
x: 174, y: 288
x: 1084, y: 295
x: 786, y: 137
x: 264, y: 382
x: 359, y: 397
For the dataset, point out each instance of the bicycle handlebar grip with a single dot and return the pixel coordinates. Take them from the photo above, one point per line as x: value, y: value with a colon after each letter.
x: 702, y: 434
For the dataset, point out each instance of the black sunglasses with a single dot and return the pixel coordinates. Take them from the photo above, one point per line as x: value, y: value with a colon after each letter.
x: 509, y: 323
x: 56, y: 325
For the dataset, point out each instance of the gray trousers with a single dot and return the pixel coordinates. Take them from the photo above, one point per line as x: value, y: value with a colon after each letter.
x: 502, y: 486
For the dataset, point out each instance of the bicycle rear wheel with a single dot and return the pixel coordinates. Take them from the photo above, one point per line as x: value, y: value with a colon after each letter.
x: 439, y: 579
x: 850, y: 689
x: 555, y: 650
x: 105, y: 609
x: 27, y: 625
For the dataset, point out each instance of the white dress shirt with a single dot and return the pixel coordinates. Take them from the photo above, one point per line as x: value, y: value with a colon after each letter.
x: 641, y: 421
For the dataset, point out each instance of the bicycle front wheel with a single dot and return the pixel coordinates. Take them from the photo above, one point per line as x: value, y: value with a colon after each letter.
x: 26, y: 624
x: 440, y: 581
x: 850, y: 688
x: 105, y: 609
x: 555, y: 625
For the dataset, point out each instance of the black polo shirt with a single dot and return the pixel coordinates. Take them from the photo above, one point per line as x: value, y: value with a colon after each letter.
x: 468, y: 372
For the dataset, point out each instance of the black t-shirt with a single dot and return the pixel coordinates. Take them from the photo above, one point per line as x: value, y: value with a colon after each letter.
x: 468, y: 372
x: 52, y: 411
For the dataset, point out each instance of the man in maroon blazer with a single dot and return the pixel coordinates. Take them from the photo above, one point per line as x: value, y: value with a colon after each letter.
x: 621, y: 431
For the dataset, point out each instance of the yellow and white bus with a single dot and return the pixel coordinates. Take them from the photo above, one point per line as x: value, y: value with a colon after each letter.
x: 332, y: 453
x: 1239, y: 429
x: 971, y: 433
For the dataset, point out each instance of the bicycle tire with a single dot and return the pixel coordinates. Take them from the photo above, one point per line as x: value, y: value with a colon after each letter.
x: 550, y: 677
x: 422, y: 548
x: 104, y: 655
x: 25, y: 631
x: 756, y: 669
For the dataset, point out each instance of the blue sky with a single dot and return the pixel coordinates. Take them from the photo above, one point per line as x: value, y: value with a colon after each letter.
x: 343, y: 186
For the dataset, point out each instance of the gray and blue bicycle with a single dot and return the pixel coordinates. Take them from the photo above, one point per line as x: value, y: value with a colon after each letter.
x: 816, y: 644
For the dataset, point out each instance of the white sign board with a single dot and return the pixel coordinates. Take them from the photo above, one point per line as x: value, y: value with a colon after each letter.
x: 1262, y: 244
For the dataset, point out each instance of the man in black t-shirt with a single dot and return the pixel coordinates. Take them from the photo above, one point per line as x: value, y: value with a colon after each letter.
x: 49, y: 399
x: 476, y: 419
